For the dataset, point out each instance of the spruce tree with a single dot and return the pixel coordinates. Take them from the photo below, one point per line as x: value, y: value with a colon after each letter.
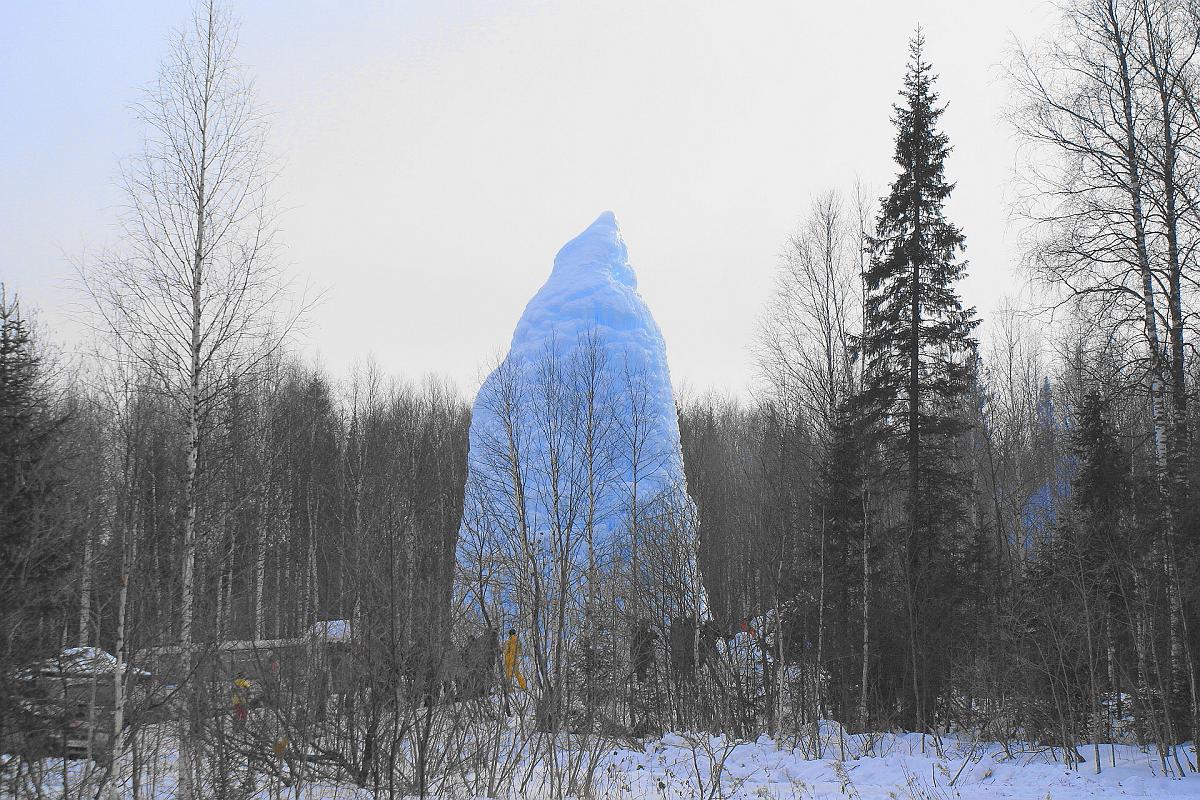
x: 29, y: 555
x: 840, y: 501
x: 34, y: 553
x: 1072, y: 610
x: 918, y: 355
x: 1100, y: 490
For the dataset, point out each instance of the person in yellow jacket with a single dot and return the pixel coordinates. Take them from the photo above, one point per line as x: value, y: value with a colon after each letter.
x: 241, y: 697
x: 512, y: 652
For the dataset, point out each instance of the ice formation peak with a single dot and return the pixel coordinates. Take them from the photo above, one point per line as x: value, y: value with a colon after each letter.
x: 592, y: 289
x: 600, y: 249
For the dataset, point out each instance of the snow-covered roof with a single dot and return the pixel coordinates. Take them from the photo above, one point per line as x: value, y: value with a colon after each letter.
x: 80, y: 661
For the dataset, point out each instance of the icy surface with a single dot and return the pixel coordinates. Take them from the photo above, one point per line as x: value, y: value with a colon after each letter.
x: 588, y: 319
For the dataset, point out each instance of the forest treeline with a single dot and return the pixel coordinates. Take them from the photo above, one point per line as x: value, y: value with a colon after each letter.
x: 912, y: 524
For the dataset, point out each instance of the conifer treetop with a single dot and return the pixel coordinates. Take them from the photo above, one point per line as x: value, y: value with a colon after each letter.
x: 915, y: 260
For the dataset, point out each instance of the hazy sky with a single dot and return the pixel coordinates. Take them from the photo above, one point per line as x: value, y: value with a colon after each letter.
x: 436, y: 155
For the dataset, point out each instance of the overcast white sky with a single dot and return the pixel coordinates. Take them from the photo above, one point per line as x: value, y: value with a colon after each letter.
x: 436, y: 155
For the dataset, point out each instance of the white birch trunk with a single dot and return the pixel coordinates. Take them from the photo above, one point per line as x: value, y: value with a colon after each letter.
x: 85, y: 588
x: 866, y: 619
x: 260, y: 577
x: 118, y: 732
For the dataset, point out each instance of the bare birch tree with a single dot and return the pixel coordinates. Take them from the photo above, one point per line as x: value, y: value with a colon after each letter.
x: 1112, y: 173
x: 804, y: 340
x: 194, y: 294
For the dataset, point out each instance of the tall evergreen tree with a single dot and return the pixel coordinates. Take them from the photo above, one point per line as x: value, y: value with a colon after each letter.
x: 840, y: 508
x: 30, y: 557
x: 1073, y: 609
x: 34, y: 558
x: 918, y: 350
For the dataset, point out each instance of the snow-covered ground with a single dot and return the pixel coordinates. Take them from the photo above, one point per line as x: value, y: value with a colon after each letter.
x: 866, y: 767
x: 884, y: 766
